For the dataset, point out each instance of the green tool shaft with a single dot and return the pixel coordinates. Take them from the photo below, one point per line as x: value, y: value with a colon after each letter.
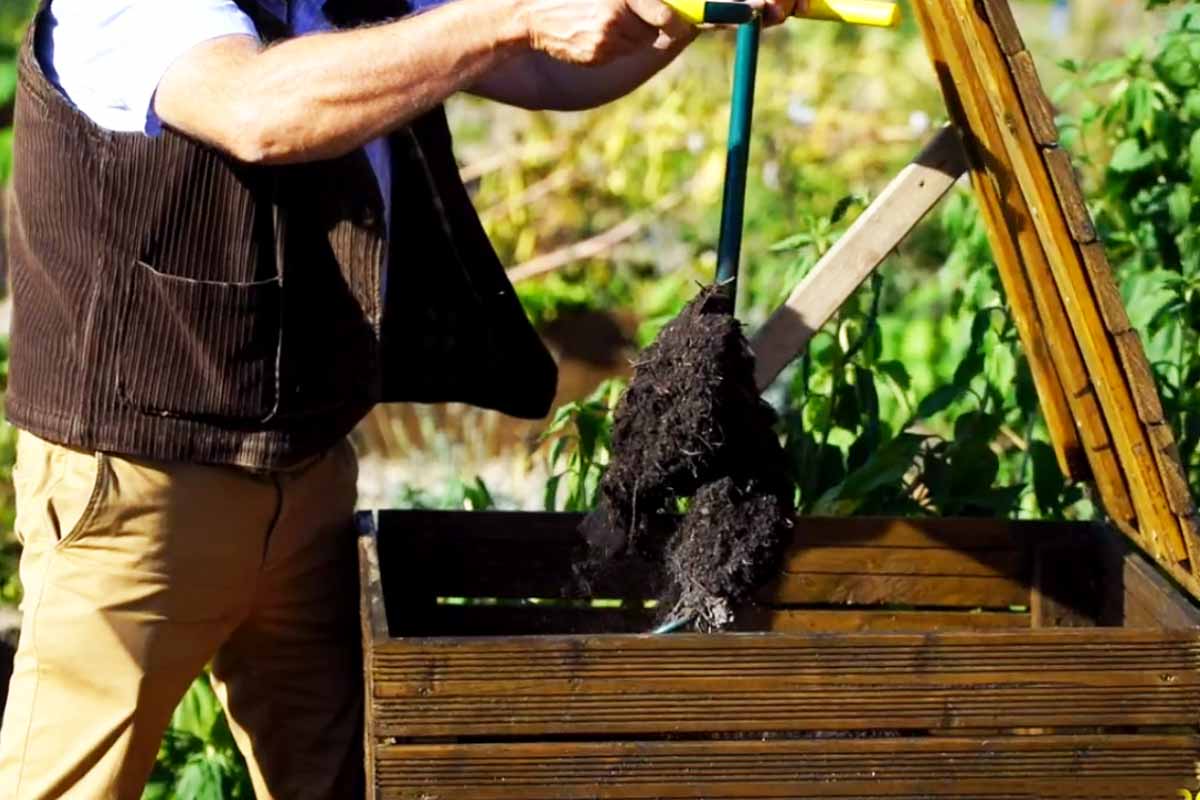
x: 745, y: 67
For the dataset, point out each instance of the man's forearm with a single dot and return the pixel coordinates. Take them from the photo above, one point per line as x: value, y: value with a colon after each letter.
x: 324, y: 95
x: 536, y: 81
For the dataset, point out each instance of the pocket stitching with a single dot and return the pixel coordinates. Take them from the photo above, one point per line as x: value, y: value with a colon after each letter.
x: 99, y: 488
x: 124, y: 296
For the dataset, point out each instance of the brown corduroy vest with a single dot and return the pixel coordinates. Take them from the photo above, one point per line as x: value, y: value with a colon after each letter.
x: 170, y: 302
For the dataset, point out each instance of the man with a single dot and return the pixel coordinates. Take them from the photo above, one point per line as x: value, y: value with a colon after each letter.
x: 237, y: 225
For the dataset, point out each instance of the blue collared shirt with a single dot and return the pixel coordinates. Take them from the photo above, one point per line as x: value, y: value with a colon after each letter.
x: 108, y: 56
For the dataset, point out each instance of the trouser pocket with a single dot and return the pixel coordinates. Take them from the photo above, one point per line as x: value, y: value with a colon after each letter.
x: 58, y: 491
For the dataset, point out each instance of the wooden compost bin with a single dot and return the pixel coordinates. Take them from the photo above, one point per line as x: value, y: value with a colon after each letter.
x: 892, y: 658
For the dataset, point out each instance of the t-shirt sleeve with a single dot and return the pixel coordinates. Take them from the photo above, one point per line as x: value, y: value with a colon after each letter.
x: 108, y: 56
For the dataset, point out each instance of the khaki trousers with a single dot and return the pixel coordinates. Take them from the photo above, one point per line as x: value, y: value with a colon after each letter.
x: 137, y: 574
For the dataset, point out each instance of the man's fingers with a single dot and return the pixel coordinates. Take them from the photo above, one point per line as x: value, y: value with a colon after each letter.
x: 659, y: 15
x: 776, y: 12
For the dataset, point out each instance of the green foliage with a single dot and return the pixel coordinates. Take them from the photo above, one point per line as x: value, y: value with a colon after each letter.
x: 198, y: 759
x: 581, y: 436
x: 13, y: 16
x: 1141, y: 119
x: 458, y: 495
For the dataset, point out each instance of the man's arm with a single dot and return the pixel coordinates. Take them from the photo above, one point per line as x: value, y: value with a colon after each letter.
x: 535, y: 81
x: 324, y: 95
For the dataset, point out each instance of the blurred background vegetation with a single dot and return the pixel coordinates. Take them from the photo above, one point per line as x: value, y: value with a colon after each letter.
x: 916, y: 399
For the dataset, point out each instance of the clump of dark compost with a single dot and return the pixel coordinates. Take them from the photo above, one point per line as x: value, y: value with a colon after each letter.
x: 691, y: 425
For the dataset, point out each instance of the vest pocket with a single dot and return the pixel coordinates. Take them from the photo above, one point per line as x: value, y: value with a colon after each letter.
x: 198, y: 349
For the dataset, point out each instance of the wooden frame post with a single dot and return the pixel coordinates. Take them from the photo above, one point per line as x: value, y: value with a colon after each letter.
x: 873, y: 236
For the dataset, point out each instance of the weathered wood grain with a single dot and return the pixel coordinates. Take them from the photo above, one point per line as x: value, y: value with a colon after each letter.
x: 1037, y: 106
x: 1141, y: 378
x: 630, y: 685
x: 1025, y: 767
x: 1170, y: 463
x: 1112, y: 306
x: 1150, y: 601
x: 824, y: 620
x: 872, y: 589
x: 878, y: 231
x: 999, y: 14
x: 1066, y: 185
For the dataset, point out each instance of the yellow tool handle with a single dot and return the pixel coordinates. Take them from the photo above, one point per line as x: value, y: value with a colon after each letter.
x: 876, y: 13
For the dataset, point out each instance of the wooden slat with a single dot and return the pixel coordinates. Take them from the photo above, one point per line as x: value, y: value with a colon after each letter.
x: 871, y: 589
x: 1000, y: 15
x: 1104, y: 285
x: 977, y: 46
x: 1170, y: 463
x: 1036, y: 104
x: 904, y: 561
x: 856, y: 254
x: 1141, y: 377
x: 371, y: 601
x: 1046, y: 378
x: 617, y: 684
x: 806, y: 620
x: 1002, y: 768
x: 1066, y: 185
x: 1106, y: 469
x: 950, y: 563
x: 1015, y: 245
x: 1150, y: 601
x: 508, y: 620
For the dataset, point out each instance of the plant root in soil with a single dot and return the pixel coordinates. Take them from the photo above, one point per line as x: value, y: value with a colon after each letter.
x: 691, y: 429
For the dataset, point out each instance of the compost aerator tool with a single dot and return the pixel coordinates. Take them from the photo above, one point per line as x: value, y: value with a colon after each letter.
x: 876, y: 13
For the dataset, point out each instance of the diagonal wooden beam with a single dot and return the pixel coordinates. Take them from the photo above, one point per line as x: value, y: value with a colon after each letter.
x: 873, y: 236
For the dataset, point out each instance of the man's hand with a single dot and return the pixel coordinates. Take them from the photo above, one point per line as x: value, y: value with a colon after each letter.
x: 592, y: 32
x: 776, y: 12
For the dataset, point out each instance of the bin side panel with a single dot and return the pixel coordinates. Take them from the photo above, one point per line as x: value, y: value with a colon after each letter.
x: 1095, y: 766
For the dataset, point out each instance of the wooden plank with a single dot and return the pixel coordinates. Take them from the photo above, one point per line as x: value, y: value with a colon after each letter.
x: 1151, y: 601
x: 1047, y: 381
x: 1106, y: 469
x: 824, y: 620
x: 1141, y: 377
x: 374, y: 627
x: 872, y: 589
x: 620, y: 684
x: 522, y: 620
x: 901, y: 768
x: 425, y: 555
x: 372, y: 610
x: 462, y: 620
x: 1066, y: 185
x: 1006, y: 562
x: 1170, y: 463
x: 857, y: 253
x: 1000, y: 16
x: 1104, y: 286
x: 976, y: 45
x: 1033, y: 99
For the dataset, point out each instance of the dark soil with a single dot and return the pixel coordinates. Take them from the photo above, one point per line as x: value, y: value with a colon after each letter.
x: 692, y: 425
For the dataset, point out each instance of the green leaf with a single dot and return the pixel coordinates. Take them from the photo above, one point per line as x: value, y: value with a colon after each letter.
x: 1129, y: 157
x: 1194, y: 158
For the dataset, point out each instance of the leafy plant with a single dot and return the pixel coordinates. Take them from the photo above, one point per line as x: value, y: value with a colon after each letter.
x: 198, y: 759
x: 582, y: 437
x: 1139, y: 131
